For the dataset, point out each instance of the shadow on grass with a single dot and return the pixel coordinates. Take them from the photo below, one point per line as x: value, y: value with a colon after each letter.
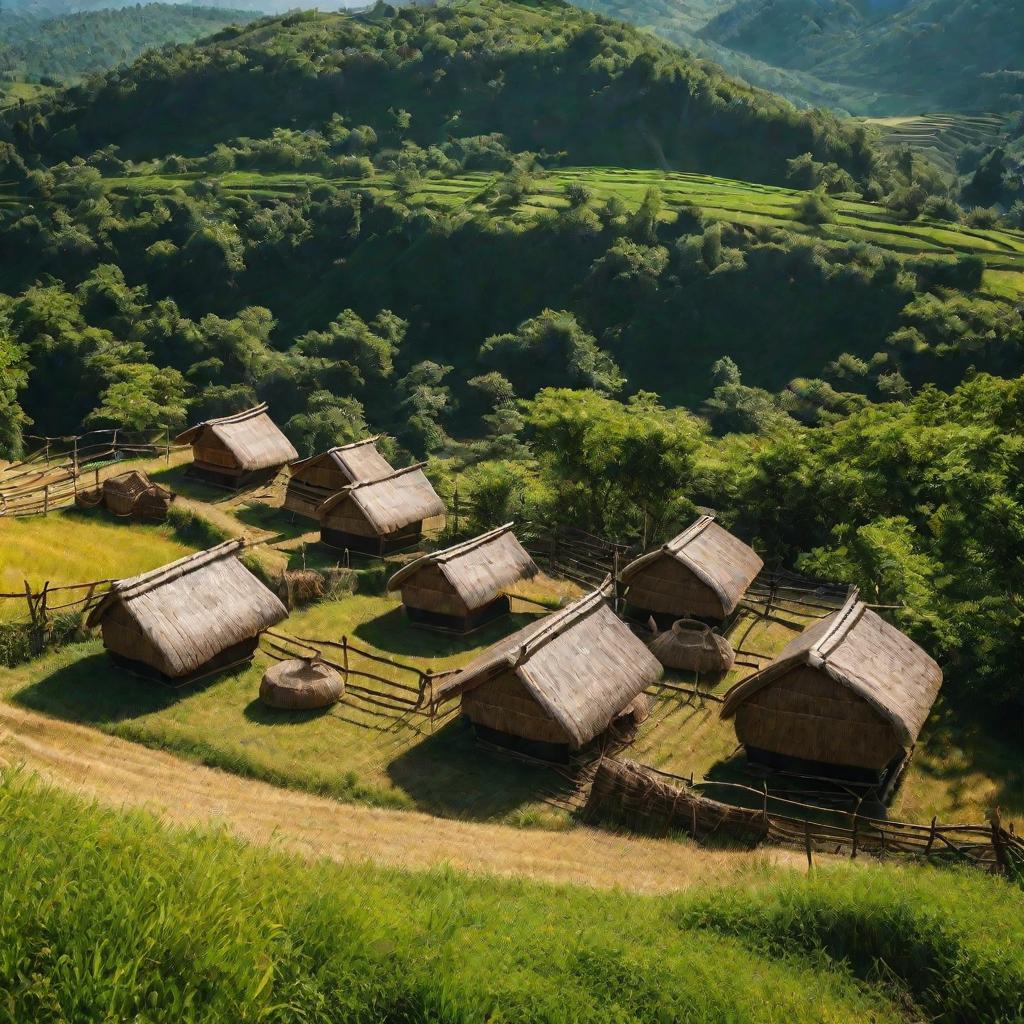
x: 94, y: 691
x: 258, y: 712
x: 449, y: 774
x: 178, y: 480
x: 273, y: 519
x: 393, y: 633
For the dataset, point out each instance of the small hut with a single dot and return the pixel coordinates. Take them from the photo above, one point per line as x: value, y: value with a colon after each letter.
x: 463, y: 587
x: 692, y: 646
x: 240, y: 450
x: 701, y: 574
x: 189, y: 618
x: 301, y: 684
x: 556, y: 684
x: 133, y: 494
x: 846, y: 699
x: 315, y: 479
x: 380, y: 516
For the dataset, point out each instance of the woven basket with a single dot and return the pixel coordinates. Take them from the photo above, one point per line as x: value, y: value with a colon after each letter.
x: 301, y: 684
x: 692, y: 646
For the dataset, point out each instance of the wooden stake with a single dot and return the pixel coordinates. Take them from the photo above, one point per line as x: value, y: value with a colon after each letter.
x: 808, y: 848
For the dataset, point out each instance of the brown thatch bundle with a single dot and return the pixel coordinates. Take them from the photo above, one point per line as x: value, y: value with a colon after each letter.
x: 301, y: 684
x: 300, y: 587
x: 133, y: 494
x: 692, y: 646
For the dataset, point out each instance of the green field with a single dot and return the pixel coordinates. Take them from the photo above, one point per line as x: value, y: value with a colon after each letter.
x: 359, y: 751
x: 940, y: 137
x: 736, y: 202
x: 111, y: 917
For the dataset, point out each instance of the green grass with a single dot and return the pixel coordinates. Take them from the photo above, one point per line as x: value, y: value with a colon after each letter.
x: 723, y: 199
x: 106, y: 917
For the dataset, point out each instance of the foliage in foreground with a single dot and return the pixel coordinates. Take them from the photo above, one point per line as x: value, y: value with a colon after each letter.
x: 111, y: 917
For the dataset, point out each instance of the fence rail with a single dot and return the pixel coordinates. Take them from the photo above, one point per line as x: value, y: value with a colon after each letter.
x: 650, y: 800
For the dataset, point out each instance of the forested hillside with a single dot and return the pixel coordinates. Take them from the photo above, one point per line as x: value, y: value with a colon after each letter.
x: 900, y: 57
x: 66, y: 48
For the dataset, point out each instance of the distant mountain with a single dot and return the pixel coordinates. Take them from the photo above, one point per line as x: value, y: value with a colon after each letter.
x: 68, y: 47
x: 866, y: 56
x: 60, y: 8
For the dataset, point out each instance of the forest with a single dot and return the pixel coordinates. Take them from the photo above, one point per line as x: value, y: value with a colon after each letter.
x: 386, y: 234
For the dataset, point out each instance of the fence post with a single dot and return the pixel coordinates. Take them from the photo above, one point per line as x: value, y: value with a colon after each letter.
x: 931, y: 838
x: 344, y: 656
x: 114, y: 448
x: 46, y: 498
x: 808, y: 848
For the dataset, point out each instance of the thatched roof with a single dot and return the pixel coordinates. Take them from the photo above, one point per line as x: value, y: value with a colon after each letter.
x: 359, y: 461
x: 692, y: 646
x: 478, y: 570
x: 192, y: 609
x: 717, y: 558
x: 301, y: 684
x: 582, y: 665
x: 858, y: 649
x: 404, y: 496
x: 252, y: 437
x: 131, y: 484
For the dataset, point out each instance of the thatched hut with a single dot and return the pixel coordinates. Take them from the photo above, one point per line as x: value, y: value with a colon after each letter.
x: 556, y: 684
x: 133, y: 494
x: 845, y: 699
x: 463, y: 587
x: 315, y: 479
x: 189, y: 618
x: 379, y: 516
x: 701, y: 574
x: 240, y: 450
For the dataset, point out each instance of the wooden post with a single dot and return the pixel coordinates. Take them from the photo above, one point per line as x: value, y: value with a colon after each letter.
x: 46, y: 498
x: 344, y: 656
x: 115, y: 443
x: 931, y: 838
x: 97, y: 477
x: 808, y: 848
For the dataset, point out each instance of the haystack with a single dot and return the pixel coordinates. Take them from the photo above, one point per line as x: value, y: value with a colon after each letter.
x: 301, y: 684
x: 315, y: 479
x: 692, y: 646
x: 379, y: 516
x: 463, y: 587
x: 194, y: 616
x: 703, y: 573
x: 556, y: 684
x: 239, y: 450
x: 846, y: 699
x: 132, y: 493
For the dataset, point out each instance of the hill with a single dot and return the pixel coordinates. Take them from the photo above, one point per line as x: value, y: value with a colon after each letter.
x: 876, y: 58
x: 113, y: 916
x: 68, y: 47
x: 461, y: 70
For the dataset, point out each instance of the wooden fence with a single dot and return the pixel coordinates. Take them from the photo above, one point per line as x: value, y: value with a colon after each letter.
x: 648, y: 800
x: 49, y: 478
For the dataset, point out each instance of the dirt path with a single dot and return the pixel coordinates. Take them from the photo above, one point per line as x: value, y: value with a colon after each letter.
x: 123, y: 774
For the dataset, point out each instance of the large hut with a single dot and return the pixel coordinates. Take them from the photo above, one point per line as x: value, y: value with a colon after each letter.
x: 462, y: 587
x: 187, y: 619
x: 556, y: 684
x: 315, y: 479
x: 846, y: 699
x: 240, y: 450
x: 379, y: 516
x: 701, y: 574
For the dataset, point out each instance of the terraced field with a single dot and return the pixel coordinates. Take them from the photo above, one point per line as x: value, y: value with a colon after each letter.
x: 940, y: 136
x: 736, y: 202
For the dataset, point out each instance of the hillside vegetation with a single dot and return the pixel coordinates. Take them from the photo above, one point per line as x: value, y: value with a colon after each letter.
x: 82, y: 44
x: 108, y: 916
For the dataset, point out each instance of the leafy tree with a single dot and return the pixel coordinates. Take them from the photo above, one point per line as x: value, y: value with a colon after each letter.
x: 144, y: 396
x: 329, y: 420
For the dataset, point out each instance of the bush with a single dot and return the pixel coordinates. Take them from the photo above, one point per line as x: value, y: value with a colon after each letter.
x: 190, y: 527
x: 815, y: 208
x: 983, y: 217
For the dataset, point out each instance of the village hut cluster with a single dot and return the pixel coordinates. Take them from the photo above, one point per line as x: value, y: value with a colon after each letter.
x: 846, y: 699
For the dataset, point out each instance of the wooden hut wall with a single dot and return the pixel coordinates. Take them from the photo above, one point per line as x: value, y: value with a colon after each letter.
x: 504, y: 705
x: 807, y: 716
x: 210, y: 452
x: 666, y: 586
x: 122, y: 637
x: 323, y: 474
x: 429, y: 590
x: 345, y: 526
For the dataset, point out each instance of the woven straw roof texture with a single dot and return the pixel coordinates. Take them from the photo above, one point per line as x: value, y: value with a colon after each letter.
x: 860, y: 650
x: 713, y: 555
x: 300, y: 684
x: 131, y: 483
x: 359, y: 461
x: 479, y: 570
x: 404, y: 497
x: 251, y: 436
x: 693, y: 647
x: 195, y: 607
x: 582, y: 665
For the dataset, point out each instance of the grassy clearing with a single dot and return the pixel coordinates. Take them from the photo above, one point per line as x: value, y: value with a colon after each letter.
x: 718, y: 198
x: 112, y: 917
